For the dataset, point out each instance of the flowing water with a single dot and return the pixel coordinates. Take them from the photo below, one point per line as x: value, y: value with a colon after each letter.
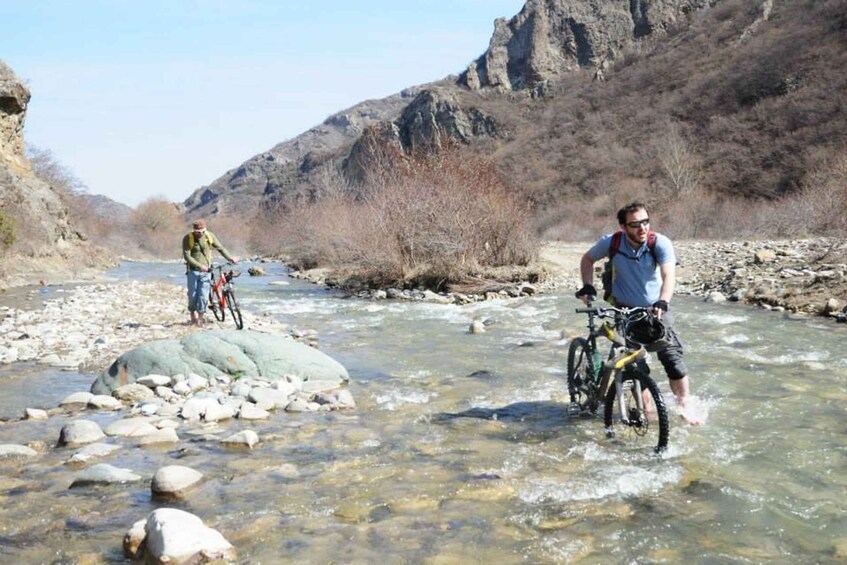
x: 461, y: 448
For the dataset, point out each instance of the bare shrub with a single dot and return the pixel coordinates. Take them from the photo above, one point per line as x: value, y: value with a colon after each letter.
x: 819, y: 207
x: 427, y: 219
x: 157, y: 226
x: 681, y: 167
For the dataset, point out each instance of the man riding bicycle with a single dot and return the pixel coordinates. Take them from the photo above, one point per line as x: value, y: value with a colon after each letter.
x: 644, y: 275
x: 197, y: 248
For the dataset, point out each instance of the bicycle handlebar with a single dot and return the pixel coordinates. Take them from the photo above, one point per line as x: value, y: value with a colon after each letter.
x: 602, y: 311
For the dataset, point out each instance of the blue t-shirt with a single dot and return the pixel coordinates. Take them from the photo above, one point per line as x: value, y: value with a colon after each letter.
x: 636, y: 278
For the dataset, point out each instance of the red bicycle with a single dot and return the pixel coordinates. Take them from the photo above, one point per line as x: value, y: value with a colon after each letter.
x: 222, y: 294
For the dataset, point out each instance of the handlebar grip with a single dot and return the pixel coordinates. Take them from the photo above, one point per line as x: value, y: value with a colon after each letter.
x: 588, y: 310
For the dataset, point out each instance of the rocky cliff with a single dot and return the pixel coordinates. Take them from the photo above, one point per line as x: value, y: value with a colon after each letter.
x: 551, y: 37
x: 39, y: 242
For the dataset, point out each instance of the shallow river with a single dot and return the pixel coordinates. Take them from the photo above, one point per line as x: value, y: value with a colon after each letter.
x: 461, y: 449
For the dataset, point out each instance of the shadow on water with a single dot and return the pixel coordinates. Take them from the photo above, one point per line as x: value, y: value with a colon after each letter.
x: 529, y: 421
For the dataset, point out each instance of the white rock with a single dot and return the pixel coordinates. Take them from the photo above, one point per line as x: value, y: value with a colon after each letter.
x: 152, y: 381
x: 79, y: 432
x: 103, y: 473
x: 103, y: 402
x: 92, y: 451
x: 9, y: 450
x: 130, y: 427
x: 35, y: 414
x: 134, y: 539
x: 217, y: 412
x: 174, y: 480
x: 166, y: 435
x: 175, y: 536
x: 182, y: 388
x: 250, y: 411
x: 244, y: 437
x: 77, y: 398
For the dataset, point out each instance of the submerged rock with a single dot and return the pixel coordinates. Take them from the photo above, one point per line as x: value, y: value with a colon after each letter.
x: 218, y: 353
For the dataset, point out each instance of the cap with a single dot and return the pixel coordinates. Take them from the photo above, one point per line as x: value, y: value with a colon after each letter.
x: 199, y: 225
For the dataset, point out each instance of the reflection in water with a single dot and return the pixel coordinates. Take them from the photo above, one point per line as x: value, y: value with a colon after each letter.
x: 461, y: 448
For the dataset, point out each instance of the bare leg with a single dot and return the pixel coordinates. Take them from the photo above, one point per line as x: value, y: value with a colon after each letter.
x: 200, y: 321
x: 682, y: 392
x: 193, y: 318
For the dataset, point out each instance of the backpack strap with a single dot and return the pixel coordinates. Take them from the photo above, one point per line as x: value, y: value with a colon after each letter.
x: 210, y: 239
x: 618, y: 236
x: 616, y: 243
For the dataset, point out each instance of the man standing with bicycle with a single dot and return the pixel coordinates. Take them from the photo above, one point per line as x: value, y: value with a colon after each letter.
x: 197, y: 248
x: 643, y: 275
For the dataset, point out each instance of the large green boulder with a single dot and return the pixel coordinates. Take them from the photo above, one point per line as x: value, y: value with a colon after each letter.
x: 225, y: 352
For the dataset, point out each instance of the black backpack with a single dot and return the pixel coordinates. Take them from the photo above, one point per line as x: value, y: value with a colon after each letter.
x: 608, y: 273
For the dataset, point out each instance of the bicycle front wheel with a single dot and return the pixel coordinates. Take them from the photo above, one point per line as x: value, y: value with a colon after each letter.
x: 581, y: 384
x: 216, y: 304
x: 646, y: 424
x: 234, y: 309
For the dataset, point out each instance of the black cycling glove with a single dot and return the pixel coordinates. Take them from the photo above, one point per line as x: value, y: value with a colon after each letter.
x: 587, y: 290
x: 661, y: 305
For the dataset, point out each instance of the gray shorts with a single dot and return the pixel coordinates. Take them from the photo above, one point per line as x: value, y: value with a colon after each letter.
x: 671, y: 354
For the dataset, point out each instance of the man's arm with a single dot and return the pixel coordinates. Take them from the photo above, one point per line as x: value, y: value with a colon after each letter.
x: 586, y: 269
x: 668, y: 271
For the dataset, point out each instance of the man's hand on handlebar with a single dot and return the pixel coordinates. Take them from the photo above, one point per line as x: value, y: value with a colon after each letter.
x: 587, y: 294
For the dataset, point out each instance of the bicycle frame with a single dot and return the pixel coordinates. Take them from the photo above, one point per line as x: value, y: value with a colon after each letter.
x: 219, y: 283
x: 619, y: 358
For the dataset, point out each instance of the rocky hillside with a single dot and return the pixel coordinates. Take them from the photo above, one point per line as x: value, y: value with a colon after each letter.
x: 546, y: 39
x: 290, y: 167
x: 600, y: 99
x: 38, y: 240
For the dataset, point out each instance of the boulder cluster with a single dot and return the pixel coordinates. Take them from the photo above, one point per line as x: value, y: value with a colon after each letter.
x: 806, y: 276
x: 158, y: 408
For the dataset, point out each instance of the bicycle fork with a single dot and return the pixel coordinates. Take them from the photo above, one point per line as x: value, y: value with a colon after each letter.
x: 615, y: 367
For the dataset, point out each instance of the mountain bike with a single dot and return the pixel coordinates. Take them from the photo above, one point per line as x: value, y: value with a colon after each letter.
x: 222, y: 294
x: 634, y: 410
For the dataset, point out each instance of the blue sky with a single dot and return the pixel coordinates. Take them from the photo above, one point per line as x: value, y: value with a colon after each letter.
x: 157, y: 98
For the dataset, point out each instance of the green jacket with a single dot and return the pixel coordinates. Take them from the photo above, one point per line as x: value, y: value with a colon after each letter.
x: 197, y: 252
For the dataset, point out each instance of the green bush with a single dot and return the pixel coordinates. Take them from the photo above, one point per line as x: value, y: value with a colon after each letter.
x: 8, y: 231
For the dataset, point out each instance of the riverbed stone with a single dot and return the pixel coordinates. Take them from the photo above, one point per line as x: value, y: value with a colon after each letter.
x: 91, y: 451
x: 166, y: 435
x: 249, y: 411
x: 75, y: 399
x: 130, y: 427
x: 134, y: 539
x: 104, y: 402
x: 131, y: 392
x: 175, y: 536
x: 79, y: 432
x: 174, y: 481
x: 103, y: 473
x: 247, y: 438
x: 153, y: 381
x: 212, y: 353
x: 35, y: 414
x: 11, y: 450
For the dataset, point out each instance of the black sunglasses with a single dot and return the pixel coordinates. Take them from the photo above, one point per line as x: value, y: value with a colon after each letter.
x: 639, y: 223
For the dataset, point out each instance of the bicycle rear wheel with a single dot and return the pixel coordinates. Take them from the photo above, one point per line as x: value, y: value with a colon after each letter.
x: 234, y: 309
x: 581, y: 385
x: 648, y: 427
x: 215, y: 301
